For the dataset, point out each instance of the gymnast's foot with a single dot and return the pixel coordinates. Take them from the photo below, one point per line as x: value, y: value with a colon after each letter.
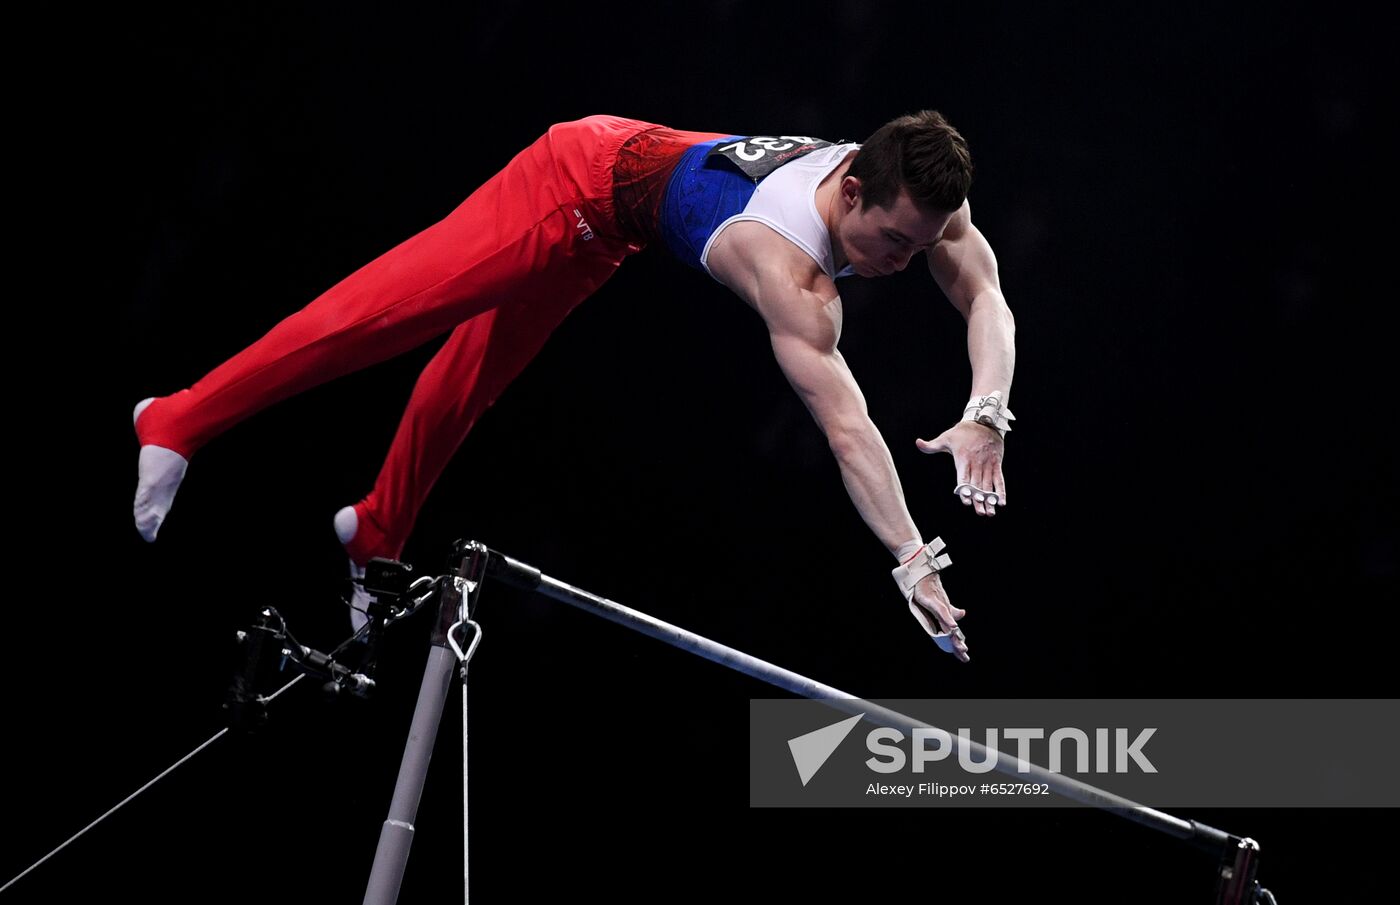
x: 159, y: 473
x: 347, y: 524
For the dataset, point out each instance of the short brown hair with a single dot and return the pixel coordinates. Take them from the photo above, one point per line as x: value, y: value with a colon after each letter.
x: 920, y: 152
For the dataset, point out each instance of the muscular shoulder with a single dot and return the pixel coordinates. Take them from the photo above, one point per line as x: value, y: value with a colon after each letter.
x: 749, y: 256
x: 779, y: 281
x: 960, y: 224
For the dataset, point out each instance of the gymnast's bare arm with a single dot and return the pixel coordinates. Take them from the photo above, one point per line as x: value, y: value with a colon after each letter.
x: 965, y: 268
x: 802, y: 311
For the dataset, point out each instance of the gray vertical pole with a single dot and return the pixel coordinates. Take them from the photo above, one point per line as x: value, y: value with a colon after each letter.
x: 391, y: 857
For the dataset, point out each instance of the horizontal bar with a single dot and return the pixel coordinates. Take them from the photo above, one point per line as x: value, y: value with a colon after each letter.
x: 526, y: 577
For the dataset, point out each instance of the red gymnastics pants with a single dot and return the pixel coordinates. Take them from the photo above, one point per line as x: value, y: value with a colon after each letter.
x: 501, y: 272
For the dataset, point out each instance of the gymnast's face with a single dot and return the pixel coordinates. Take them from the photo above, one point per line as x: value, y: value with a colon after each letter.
x: 878, y: 241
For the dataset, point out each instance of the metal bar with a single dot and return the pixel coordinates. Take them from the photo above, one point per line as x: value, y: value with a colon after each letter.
x: 528, y: 578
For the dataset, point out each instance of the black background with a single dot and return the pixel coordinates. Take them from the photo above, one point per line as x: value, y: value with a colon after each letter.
x: 1186, y: 204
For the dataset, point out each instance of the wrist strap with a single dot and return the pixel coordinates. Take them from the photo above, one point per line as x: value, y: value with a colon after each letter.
x: 990, y: 411
x: 924, y: 563
x: 907, y: 550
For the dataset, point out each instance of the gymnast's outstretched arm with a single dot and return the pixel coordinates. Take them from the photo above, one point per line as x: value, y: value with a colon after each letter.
x: 803, y: 330
x: 802, y: 311
x: 965, y: 268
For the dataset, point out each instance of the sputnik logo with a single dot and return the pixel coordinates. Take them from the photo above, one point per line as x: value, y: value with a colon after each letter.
x: 812, y: 750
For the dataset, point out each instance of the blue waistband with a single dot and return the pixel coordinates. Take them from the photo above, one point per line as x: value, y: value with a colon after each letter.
x: 699, y: 198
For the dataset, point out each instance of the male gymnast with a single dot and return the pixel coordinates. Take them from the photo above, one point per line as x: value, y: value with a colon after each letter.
x: 777, y: 219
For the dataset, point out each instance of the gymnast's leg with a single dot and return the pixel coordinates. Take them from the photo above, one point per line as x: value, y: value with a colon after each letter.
x: 461, y: 381
x: 506, y: 240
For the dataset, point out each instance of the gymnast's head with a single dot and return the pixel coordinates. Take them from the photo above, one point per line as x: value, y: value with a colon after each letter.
x: 901, y: 190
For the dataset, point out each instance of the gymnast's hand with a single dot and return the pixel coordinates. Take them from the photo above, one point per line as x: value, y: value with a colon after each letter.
x: 937, y: 614
x: 977, y: 453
